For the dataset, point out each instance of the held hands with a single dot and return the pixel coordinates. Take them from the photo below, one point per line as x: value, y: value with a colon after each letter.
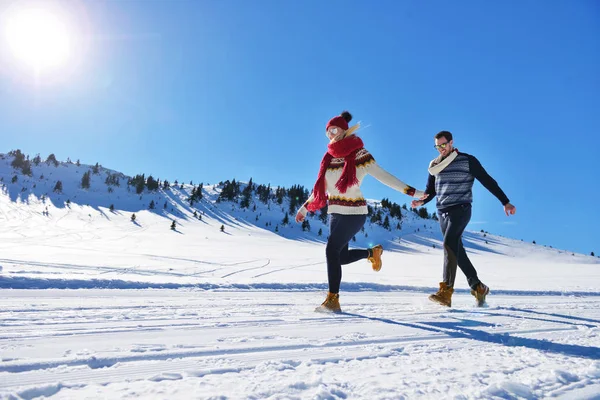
x: 509, y: 209
x: 299, y: 216
x: 420, y: 202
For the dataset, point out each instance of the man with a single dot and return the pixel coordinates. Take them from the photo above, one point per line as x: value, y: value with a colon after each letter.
x: 451, y: 177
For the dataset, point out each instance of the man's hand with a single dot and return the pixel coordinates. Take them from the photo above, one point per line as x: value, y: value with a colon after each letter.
x: 416, y: 203
x: 509, y: 209
x: 299, y: 216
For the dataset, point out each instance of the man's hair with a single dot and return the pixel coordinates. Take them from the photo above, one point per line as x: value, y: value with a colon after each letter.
x: 444, y: 134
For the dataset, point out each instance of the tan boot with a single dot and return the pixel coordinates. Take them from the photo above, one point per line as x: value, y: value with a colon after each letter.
x: 375, y: 258
x: 443, y: 296
x: 331, y: 304
x: 480, y: 292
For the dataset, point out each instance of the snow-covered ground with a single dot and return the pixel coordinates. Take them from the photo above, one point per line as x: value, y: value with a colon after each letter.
x: 94, y: 305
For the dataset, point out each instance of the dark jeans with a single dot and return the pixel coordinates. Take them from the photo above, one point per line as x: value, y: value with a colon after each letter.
x: 453, y: 223
x: 341, y: 230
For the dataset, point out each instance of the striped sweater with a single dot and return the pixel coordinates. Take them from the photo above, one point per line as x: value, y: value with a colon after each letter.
x: 353, y: 201
x: 453, y: 186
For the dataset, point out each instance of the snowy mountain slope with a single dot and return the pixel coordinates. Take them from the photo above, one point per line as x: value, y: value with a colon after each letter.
x: 234, y: 319
x: 59, y: 230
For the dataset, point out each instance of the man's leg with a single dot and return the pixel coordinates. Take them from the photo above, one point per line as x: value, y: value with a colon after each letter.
x: 455, y: 221
x: 464, y: 263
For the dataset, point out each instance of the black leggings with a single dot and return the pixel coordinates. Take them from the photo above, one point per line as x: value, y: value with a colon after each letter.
x: 341, y: 230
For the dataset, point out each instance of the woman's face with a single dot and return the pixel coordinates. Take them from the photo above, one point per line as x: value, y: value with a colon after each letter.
x: 335, y: 133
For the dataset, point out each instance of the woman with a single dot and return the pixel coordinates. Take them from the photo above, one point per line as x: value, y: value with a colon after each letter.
x: 342, y: 171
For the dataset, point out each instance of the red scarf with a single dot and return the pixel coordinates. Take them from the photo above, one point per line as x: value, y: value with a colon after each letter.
x: 346, y: 148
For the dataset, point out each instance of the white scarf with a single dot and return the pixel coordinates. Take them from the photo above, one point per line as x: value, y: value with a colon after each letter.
x: 438, y: 164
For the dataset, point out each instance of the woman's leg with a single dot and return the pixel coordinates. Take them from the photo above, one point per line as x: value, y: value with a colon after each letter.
x: 341, y: 230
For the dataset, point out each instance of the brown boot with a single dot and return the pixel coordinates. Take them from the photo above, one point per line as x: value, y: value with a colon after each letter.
x: 331, y: 304
x: 375, y: 257
x: 443, y: 296
x: 480, y: 292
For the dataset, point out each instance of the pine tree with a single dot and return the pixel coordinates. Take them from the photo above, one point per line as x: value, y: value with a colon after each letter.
x: 592, y: 254
x: 222, y: 228
x: 386, y: 223
x: 151, y: 183
x: 37, y: 160
x: 78, y: 163
x: 195, y: 214
x: 133, y: 217
x: 14, y: 179
x: 58, y: 187
x: 152, y: 205
x: 85, y: 180
x: 286, y: 219
x: 320, y: 233
x: 305, y: 225
x: 52, y: 159
x: 173, y: 225
x: 112, y: 207
x: 96, y: 168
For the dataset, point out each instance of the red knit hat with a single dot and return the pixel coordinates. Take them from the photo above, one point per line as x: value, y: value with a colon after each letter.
x: 341, y: 121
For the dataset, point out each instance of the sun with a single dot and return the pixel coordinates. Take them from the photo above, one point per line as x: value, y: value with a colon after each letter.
x: 38, y: 38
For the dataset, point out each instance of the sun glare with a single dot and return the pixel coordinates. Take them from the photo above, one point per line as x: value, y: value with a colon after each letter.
x: 38, y: 38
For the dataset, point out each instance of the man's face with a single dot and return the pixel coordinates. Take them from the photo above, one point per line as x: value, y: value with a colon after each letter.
x: 443, y: 146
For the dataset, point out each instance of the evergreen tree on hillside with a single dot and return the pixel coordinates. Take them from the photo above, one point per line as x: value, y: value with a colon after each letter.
x: 133, y: 217
x: 37, y: 160
x: 26, y: 168
x: 112, y: 207
x: 246, y: 194
x: 320, y: 233
x: 423, y: 213
x: 297, y: 195
x: 305, y: 225
x: 14, y: 179
x: 139, y: 182
x: 17, y: 162
x: 85, y: 180
x: 286, y: 219
x: 323, y: 214
x: 386, y: 222
x: 152, y: 205
x: 96, y: 169
x: 58, y: 188
x: 52, y: 160
x: 279, y: 194
x: 166, y: 184
x: 173, y: 225
x: 151, y: 183
x: 78, y: 163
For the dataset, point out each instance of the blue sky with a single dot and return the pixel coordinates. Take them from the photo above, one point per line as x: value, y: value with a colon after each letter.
x: 214, y: 90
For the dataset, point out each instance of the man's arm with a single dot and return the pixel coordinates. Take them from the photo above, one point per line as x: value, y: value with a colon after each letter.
x: 429, y: 193
x: 430, y: 189
x: 486, y: 180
